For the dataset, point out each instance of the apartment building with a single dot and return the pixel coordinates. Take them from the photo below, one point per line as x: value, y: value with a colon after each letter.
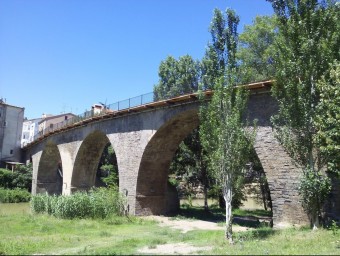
x: 51, y: 123
x: 11, y: 122
x: 29, y: 130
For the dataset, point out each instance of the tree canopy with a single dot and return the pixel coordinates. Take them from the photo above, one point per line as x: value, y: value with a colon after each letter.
x: 305, y: 48
x: 177, y: 77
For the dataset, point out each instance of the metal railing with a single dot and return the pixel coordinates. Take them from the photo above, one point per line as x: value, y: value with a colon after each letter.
x: 132, y: 102
x: 111, y: 108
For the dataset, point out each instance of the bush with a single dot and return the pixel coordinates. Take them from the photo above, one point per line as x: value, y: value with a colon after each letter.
x: 314, y: 189
x: 20, y: 178
x: 16, y: 195
x: 98, y: 203
x: 38, y: 203
x: 6, y: 179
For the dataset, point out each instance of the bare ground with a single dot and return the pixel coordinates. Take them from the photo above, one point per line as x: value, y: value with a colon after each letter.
x: 184, y: 225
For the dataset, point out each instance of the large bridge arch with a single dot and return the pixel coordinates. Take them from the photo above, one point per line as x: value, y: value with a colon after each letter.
x: 87, y: 159
x: 151, y: 187
x: 49, y: 175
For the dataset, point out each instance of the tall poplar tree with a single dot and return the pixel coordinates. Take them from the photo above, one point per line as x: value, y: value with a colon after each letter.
x: 223, y: 134
x: 307, y: 44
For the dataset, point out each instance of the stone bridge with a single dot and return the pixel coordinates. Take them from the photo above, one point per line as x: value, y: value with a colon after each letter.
x: 145, y: 139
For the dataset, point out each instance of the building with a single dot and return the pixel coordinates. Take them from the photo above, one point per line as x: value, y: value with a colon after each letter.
x: 29, y: 130
x: 51, y: 123
x: 97, y: 109
x: 11, y: 122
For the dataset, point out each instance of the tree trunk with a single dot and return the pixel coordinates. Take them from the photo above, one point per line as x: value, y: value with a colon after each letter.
x: 264, y: 199
x: 315, y: 221
x: 205, y: 191
x: 227, y: 194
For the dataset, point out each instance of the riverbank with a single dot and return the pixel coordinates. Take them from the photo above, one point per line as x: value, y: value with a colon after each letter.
x: 24, y: 233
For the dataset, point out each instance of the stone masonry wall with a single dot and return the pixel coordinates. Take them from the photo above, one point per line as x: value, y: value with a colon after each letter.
x: 282, y: 174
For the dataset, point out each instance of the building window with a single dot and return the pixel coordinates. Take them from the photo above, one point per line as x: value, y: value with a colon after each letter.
x: 66, y: 117
x: 11, y: 152
x: 51, y: 126
x: 5, y: 123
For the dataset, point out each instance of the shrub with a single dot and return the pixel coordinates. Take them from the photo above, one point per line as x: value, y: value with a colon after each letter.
x: 314, y: 189
x: 38, y: 203
x: 20, y: 178
x: 97, y: 203
x: 16, y: 195
x: 6, y: 178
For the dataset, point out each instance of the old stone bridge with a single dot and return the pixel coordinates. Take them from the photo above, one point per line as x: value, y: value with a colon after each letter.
x: 145, y: 139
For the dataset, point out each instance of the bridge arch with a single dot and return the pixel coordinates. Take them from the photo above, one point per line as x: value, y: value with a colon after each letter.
x: 152, y: 194
x: 49, y: 176
x: 86, y: 161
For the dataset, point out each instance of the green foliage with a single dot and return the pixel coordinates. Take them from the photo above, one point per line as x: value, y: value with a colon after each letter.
x: 314, y: 189
x: 223, y: 134
x: 334, y: 227
x: 177, y: 77
x: 108, y: 167
x: 6, y: 178
x: 327, y: 120
x: 188, y: 165
x: 20, y: 178
x: 98, y: 203
x: 16, y: 195
x: 307, y: 44
x: 112, y: 180
x: 256, y: 50
x: 222, y: 131
x: 216, y: 61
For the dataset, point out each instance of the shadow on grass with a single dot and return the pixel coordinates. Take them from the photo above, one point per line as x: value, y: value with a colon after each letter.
x: 260, y: 233
x: 245, y: 218
x: 213, y: 214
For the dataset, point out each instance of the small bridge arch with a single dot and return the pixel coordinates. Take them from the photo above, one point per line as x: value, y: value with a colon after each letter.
x: 49, y: 175
x: 87, y: 159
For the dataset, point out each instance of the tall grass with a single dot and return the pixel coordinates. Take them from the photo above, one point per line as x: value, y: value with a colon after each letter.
x: 97, y: 203
x: 16, y: 195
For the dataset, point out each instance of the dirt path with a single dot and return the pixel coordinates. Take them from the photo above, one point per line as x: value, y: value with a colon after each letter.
x: 179, y: 248
x: 184, y: 225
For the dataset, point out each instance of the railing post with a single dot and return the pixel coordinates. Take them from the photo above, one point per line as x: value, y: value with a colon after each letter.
x: 129, y: 103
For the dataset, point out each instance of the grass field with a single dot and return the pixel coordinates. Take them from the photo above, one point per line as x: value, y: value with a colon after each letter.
x: 24, y: 233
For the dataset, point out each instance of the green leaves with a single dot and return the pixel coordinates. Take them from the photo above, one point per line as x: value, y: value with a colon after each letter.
x: 223, y: 135
x: 327, y: 120
x: 177, y: 77
x: 256, y: 50
x: 305, y: 45
x: 306, y: 89
x: 314, y: 189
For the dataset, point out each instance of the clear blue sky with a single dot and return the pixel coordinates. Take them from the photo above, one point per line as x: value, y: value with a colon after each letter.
x: 65, y: 55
